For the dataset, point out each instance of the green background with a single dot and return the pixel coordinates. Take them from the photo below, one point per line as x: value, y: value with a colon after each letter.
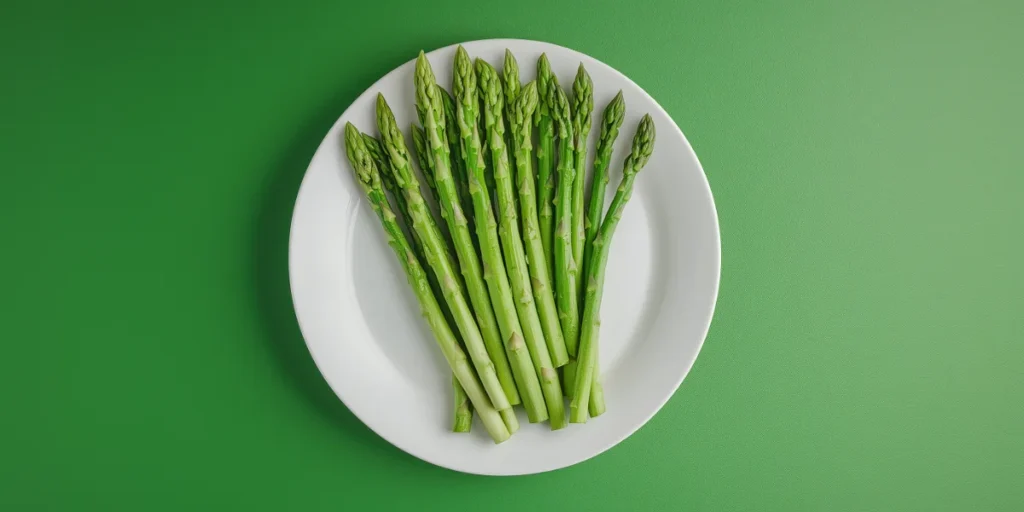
x: 866, y: 160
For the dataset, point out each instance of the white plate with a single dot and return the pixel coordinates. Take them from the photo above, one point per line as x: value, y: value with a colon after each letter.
x: 363, y: 328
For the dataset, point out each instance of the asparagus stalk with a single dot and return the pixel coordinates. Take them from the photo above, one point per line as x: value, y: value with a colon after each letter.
x: 511, y: 89
x: 596, y: 405
x: 458, y: 166
x: 426, y: 163
x: 612, y: 120
x: 368, y: 177
x: 583, y: 106
x: 512, y: 86
x: 544, y: 122
x: 520, y: 125
x: 569, y: 377
x: 482, y: 129
x: 437, y: 253
x: 512, y: 243
x: 463, y: 409
x: 465, y: 88
x: 566, y: 290
x: 643, y: 145
x: 423, y: 158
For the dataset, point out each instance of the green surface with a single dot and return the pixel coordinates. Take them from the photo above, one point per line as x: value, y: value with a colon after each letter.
x: 866, y: 161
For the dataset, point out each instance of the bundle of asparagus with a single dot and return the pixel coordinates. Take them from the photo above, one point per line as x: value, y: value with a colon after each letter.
x: 510, y: 283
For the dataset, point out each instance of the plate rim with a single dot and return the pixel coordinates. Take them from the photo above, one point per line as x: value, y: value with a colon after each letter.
x: 614, y: 441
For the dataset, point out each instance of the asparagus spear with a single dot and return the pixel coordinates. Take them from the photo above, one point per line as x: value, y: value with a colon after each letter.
x: 612, y: 120
x: 643, y: 145
x: 423, y: 158
x: 510, y: 81
x: 458, y: 166
x: 463, y: 409
x: 512, y: 243
x: 520, y: 125
x: 368, y: 178
x: 511, y: 89
x: 566, y: 290
x: 466, y: 113
x: 544, y: 122
x: 482, y: 130
x: 425, y: 161
x: 583, y: 106
x: 437, y: 253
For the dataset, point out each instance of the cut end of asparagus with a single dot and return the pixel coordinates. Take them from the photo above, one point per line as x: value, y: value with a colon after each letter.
x: 463, y: 408
x: 511, y: 422
x: 597, y: 405
x: 577, y: 413
x: 463, y: 424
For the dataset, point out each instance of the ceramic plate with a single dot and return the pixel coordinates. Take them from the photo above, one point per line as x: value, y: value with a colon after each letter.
x: 362, y: 324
